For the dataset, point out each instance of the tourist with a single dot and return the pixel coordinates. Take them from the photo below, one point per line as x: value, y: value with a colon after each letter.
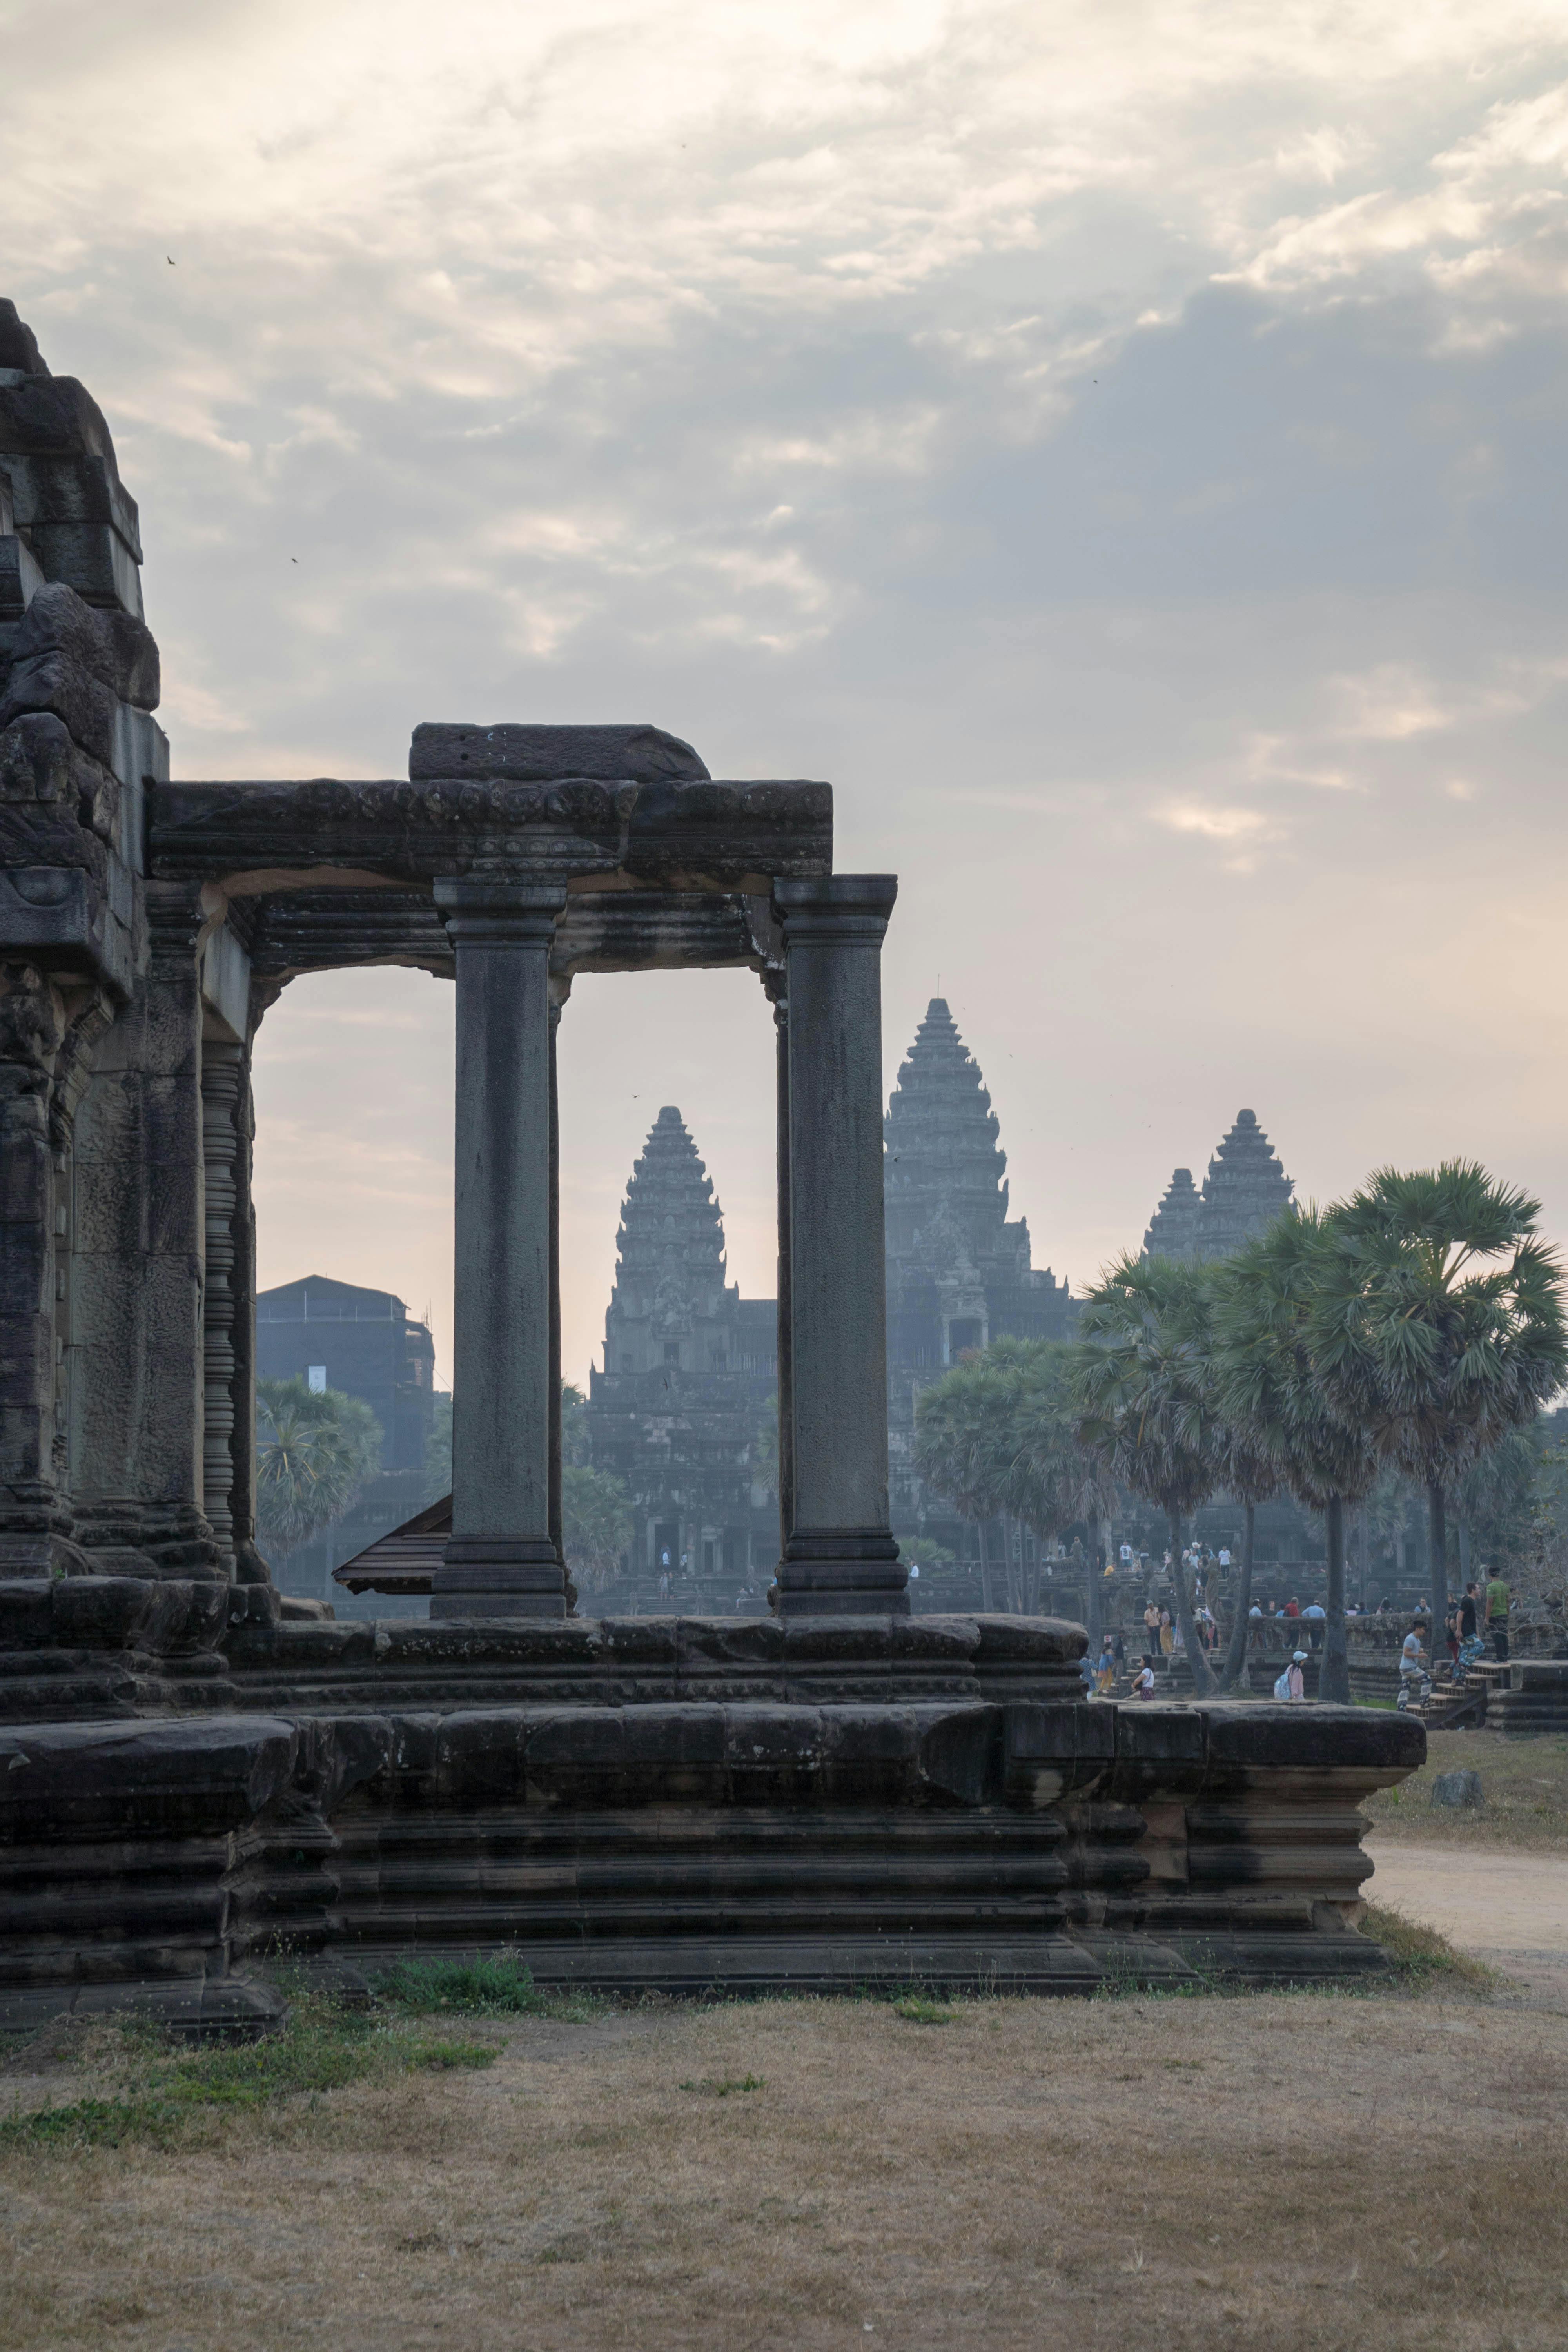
x: 1126, y: 1556
x: 1144, y: 1681
x: 1151, y: 1628
x: 1107, y: 1670
x: 1167, y: 1634
x: 1471, y: 1643
x: 1085, y: 1672
x: 1498, y: 1602
x: 1451, y: 1632
x: 1314, y: 1610
x: 1119, y: 1652
x: 1291, y: 1683
x: 1225, y: 1558
x: 1292, y: 1607
x: 1415, y: 1682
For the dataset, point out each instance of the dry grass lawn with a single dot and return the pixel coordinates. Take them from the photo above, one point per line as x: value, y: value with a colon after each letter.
x: 1525, y: 1782
x: 1274, y: 2173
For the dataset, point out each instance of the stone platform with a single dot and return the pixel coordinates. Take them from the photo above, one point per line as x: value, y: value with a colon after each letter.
x: 1535, y: 1701
x: 684, y: 1806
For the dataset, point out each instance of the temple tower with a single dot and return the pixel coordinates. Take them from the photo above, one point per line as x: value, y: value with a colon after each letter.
x: 690, y: 1379
x: 671, y: 1307
x: 959, y: 1271
x: 1245, y: 1190
x: 1173, y: 1227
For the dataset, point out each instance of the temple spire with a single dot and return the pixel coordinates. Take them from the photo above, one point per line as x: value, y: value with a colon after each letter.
x: 1245, y: 1188
x: 671, y: 1268
x: 1174, y: 1228
x: 942, y: 1143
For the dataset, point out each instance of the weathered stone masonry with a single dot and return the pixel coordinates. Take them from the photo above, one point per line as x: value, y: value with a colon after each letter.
x: 190, y: 1773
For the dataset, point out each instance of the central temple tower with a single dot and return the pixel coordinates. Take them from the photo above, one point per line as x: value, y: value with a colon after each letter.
x: 689, y: 1381
x: 959, y: 1271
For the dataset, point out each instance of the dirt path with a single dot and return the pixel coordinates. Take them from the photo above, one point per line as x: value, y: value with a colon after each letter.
x: 1509, y: 1909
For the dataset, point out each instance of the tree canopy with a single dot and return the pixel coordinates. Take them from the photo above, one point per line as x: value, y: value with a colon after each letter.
x: 316, y: 1450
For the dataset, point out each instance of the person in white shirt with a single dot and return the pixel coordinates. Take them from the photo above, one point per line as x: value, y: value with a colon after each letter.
x: 1415, y: 1682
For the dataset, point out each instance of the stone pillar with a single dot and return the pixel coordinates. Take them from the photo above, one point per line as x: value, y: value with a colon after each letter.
x: 501, y: 1560
x: 785, y: 1466
x: 839, y: 1556
x: 222, y: 1088
x: 141, y: 1339
x: 34, y: 1518
x: 249, y: 1567
x: 557, y: 1511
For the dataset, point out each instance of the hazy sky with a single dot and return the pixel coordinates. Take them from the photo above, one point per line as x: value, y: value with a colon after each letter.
x: 1122, y: 447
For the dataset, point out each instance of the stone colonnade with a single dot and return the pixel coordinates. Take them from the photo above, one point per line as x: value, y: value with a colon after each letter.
x: 837, y: 1554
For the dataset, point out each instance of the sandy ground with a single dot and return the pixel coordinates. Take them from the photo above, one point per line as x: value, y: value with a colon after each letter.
x: 1508, y: 1909
x: 1272, y: 2174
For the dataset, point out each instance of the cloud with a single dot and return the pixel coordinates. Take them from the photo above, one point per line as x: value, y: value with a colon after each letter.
x: 1122, y: 448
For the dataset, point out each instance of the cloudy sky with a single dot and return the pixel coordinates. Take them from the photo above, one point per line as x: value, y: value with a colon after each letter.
x: 1121, y: 447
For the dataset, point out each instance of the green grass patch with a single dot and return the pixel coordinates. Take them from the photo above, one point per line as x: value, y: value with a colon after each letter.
x: 321, y: 2048
x: 726, y: 2087
x: 919, y: 2011
x: 478, y: 1985
x: 1423, y: 1957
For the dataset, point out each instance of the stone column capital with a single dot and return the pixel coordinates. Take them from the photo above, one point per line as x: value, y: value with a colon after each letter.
x: 479, y: 910
x: 840, y: 909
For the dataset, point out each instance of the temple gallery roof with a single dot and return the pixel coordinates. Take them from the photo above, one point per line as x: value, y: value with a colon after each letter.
x: 1245, y: 1188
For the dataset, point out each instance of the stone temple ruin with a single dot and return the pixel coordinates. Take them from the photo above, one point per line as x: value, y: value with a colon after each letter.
x: 192, y: 1774
x: 1245, y: 1188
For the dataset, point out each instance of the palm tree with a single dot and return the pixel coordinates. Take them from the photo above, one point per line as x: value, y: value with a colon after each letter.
x: 1249, y: 1474
x: 1442, y: 1328
x: 1388, y: 1509
x: 964, y: 1444
x: 315, y: 1451
x: 1053, y: 1481
x: 1267, y: 1380
x: 1494, y: 1498
x: 1035, y: 1452
x: 1140, y: 1378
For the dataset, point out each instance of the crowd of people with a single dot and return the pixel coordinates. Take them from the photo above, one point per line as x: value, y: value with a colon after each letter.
x: 1478, y: 1615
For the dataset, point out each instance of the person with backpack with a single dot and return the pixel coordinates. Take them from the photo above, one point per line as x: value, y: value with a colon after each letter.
x: 1293, y: 1683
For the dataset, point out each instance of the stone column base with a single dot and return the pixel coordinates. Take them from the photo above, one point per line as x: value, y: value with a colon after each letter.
x: 498, y: 1576
x: 842, y: 1572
